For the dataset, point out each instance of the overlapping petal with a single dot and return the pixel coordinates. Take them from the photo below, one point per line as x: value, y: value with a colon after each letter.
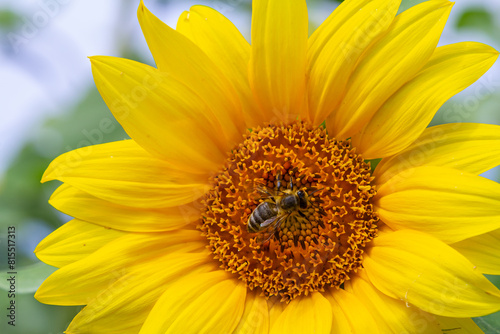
x: 133, y: 295
x: 185, y: 62
x: 353, y: 317
x: 403, y: 117
x: 463, y: 325
x: 80, y: 282
x: 471, y: 147
x: 482, y: 250
x: 340, y: 324
x: 123, y: 173
x: 337, y: 45
x: 227, y: 49
x: 388, y: 64
x: 275, y: 310
x: 306, y: 314
x: 79, y: 204
x: 185, y: 302
x: 279, y: 55
x: 391, y: 315
x: 447, y: 203
x: 73, y: 241
x: 423, y: 271
x: 255, y: 318
x: 161, y: 114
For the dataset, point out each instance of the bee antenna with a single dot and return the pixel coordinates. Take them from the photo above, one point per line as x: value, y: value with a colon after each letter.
x: 313, y: 192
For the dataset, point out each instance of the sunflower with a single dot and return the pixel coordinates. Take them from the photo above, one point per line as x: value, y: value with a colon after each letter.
x: 245, y: 201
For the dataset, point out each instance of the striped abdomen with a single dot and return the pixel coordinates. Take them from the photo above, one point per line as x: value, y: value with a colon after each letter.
x: 262, y: 212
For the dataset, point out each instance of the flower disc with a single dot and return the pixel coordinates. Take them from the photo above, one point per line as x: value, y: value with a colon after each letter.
x: 310, y: 248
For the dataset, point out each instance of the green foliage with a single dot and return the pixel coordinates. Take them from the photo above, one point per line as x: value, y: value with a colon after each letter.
x: 22, y: 197
x: 477, y: 18
x: 490, y: 324
x: 28, y: 278
x: 478, y: 105
x: 405, y: 4
x: 373, y: 163
x: 33, y: 317
x: 8, y: 19
x: 24, y: 203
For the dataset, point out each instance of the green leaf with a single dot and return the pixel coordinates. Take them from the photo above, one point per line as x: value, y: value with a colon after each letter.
x: 26, y: 279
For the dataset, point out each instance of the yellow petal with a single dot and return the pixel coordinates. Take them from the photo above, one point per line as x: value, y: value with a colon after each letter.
x: 471, y: 147
x: 458, y: 326
x: 123, y: 173
x: 204, y: 303
x: 84, y: 206
x: 278, y: 61
x: 184, y: 61
x: 307, y: 314
x: 275, y: 310
x: 337, y: 45
x: 218, y: 310
x: 255, y: 318
x: 393, y: 316
x: 446, y: 203
x: 423, y: 271
x: 74, y: 241
x: 389, y: 63
x: 133, y: 295
x: 358, y: 316
x: 227, y: 49
x: 340, y: 324
x: 80, y: 282
x: 161, y: 114
x: 405, y: 115
x: 482, y: 250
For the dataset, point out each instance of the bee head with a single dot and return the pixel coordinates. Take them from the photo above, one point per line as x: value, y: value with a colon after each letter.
x: 302, y: 195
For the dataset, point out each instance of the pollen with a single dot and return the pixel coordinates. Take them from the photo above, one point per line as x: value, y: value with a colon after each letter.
x: 308, y: 248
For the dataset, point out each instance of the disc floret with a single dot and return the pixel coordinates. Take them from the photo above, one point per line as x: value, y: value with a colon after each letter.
x: 313, y: 250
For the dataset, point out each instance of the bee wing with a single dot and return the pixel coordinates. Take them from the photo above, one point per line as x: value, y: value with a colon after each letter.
x: 269, y: 221
x: 258, y: 189
x: 271, y: 228
x: 264, y: 236
x: 263, y: 190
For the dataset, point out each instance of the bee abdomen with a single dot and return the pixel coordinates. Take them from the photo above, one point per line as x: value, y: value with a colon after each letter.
x: 262, y: 212
x: 252, y: 225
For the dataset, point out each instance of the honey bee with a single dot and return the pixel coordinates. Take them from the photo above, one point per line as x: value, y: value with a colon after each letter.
x: 268, y: 216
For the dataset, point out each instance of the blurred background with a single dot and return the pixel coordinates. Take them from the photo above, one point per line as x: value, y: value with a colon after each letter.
x: 49, y: 105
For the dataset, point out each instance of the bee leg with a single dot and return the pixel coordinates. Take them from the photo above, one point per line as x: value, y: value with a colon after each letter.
x: 303, y: 216
x: 278, y: 177
x: 291, y: 182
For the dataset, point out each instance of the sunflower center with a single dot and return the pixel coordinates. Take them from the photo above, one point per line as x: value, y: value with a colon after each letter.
x: 290, y: 212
